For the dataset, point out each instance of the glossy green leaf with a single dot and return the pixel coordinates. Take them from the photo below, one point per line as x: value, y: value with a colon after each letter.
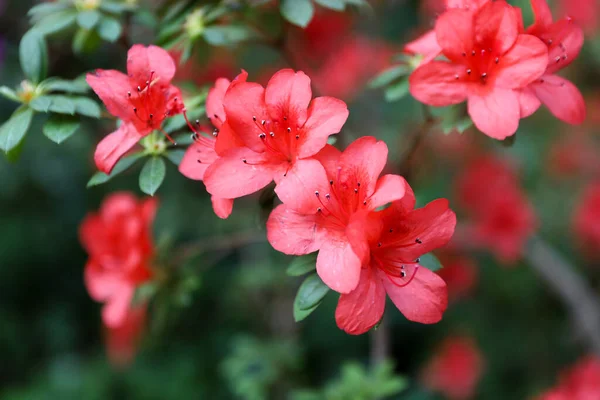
x: 302, y: 265
x: 114, y: 7
x: 14, y: 130
x: 60, y: 127
x: 87, y: 107
x: 298, y: 12
x: 430, y: 262
x: 175, y: 156
x: 109, y: 29
x: 299, y: 314
x: 88, y: 19
x: 85, y: 41
x: 225, y: 35
x: 56, y: 22
x: 152, y: 175
x: 310, y: 293
x: 338, y: 5
x: 124, y: 164
x: 9, y: 94
x: 388, y: 76
x: 43, y: 9
x: 78, y: 85
x: 34, y: 56
x: 397, y: 90
x: 41, y: 104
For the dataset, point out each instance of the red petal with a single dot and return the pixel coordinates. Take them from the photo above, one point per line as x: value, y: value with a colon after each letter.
x: 528, y: 102
x: 338, y: 266
x: 229, y: 177
x: 214, y: 102
x: 293, y: 233
x: 196, y: 160
x: 389, y: 188
x: 425, y: 45
x: 567, y: 41
x: 297, y: 189
x: 222, y: 207
x: 562, y: 98
x: 435, y: 84
x: 112, y: 87
x: 496, y: 26
x: 361, y: 309
x: 495, y: 113
x: 115, y: 309
x: 525, y: 62
x: 142, y: 61
x: 326, y: 116
x: 114, y: 146
x: 329, y: 157
x: 245, y: 109
x: 423, y: 300
x: 365, y: 157
x: 542, y: 16
x: 227, y: 139
x: 454, y: 32
x: 287, y: 95
x: 100, y: 284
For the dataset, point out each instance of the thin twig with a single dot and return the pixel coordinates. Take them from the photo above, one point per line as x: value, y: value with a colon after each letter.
x: 576, y: 294
x: 405, y: 167
x: 380, y: 343
x: 220, y: 243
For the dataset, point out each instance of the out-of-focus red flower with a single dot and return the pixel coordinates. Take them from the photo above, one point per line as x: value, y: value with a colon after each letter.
x: 202, y: 153
x: 396, y: 237
x: 221, y: 63
x: 281, y: 128
x: 325, y: 201
x: 122, y: 341
x: 489, y: 59
x: 142, y: 99
x: 586, y: 221
x: 564, y: 40
x: 580, y: 382
x: 119, y: 243
x: 460, y: 274
x: 574, y: 154
x: 586, y: 13
x: 456, y: 369
x: 502, y: 219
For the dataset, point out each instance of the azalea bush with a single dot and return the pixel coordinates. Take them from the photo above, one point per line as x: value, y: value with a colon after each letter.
x: 298, y: 199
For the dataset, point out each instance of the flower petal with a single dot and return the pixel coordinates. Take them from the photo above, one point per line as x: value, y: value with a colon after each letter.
x: 292, y: 233
x: 245, y: 108
x: 454, y: 33
x: 214, y: 102
x: 435, y: 84
x: 360, y: 310
x: 567, y: 41
x: 528, y: 102
x: 287, y: 95
x: 143, y: 61
x: 495, y: 113
x: 297, y: 190
x: 227, y: 139
x: 423, y: 300
x: 230, y: 177
x: 197, y: 159
x: 542, y: 16
x: 329, y: 157
x: 525, y: 62
x: 222, y: 207
x: 496, y: 26
x: 110, y: 149
x: 326, y: 116
x: 365, y: 157
x: 338, y: 266
x: 100, y: 284
x: 425, y: 45
x: 114, y: 311
x: 112, y: 87
x: 389, y: 188
x: 562, y: 98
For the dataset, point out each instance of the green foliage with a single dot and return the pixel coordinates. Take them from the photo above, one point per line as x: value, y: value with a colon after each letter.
x: 152, y: 175
x: 59, y: 127
x: 297, y: 12
x: 309, y: 296
x: 430, y: 262
x: 34, y: 56
x: 124, y: 164
x: 302, y: 265
x: 13, y: 131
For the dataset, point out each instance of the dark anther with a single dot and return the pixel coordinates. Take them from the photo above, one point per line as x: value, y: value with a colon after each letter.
x: 456, y: 77
x: 464, y: 54
x: 197, y: 122
x: 216, y: 132
x: 331, y: 182
x: 317, y: 193
x: 358, y: 184
x: 355, y: 190
x: 139, y: 89
x: 134, y: 109
x: 272, y: 134
x: 297, y: 136
x: 557, y: 59
x: 484, y: 75
x: 473, y: 52
x: 253, y: 118
x: 379, y: 244
x: 262, y: 136
x: 364, y: 203
x: 129, y: 94
x: 319, y: 209
x: 289, y: 129
x: 497, y: 60
x: 199, y: 161
x: 418, y: 240
x: 285, y: 118
x: 391, y: 230
x: 468, y: 72
x: 327, y: 196
x: 244, y: 161
x: 263, y: 122
x: 418, y: 260
x: 151, y: 116
x: 549, y: 42
x: 403, y: 274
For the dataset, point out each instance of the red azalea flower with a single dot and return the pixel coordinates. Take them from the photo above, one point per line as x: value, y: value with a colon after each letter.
x: 502, y: 218
x: 142, y: 99
x: 580, y: 382
x: 122, y: 341
x: 489, y: 59
x: 586, y: 221
x: 564, y: 40
x: 118, y: 240
x: 396, y: 237
x: 202, y: 153
x: 460, y: 274
x: 586, y: 13
x: 574, y: 155
x: 323, y: 201
x: 279, y: 132
x: 456, y: 369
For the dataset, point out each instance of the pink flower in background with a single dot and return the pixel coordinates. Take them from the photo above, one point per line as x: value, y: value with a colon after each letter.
x: 585, y: 13
x: 580, y: 382
x: 456, y: 369
x: 122, y: 341
x: 586, y: 221
x: 460, y: 274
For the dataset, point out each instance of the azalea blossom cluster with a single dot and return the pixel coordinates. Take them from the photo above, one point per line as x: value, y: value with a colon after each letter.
x: 365, y: 226
x: 480, y: 52
x: 580, y: 382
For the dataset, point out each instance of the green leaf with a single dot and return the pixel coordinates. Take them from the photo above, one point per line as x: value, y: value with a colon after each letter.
x: 110, y: 29
x: 430, y: 262
x: 12, y: 156
x: 509, y: 141
x: 298, y: 12
x: 225, y: 35
x: 78, y: 85
x: 55, y: 103
x: 88, y: 19
x: 388, y: 76
x: 115, y: 8
x: 87, y: 107
x: 177, y: 122
x: 152, y: 175
x: 41, y: 104
x: 215, y: 14
x: 41, y: 10
x: 9, y: 94
x: 56, y: 22
x: 183, y: 139
x: 464, y: 124
x: 34, y: 56
x: 124, y: 164
x: 338, y: 5
x: 299, y: 314
x: 302, y: 265
x: 397, y: 91
x: 310, y: 293
x: 85, y: 41
x: 175, y: 156
x: 13, y: 131
x: 60, y: 127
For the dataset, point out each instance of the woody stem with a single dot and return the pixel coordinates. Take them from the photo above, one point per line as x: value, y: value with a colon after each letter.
x: 380, y: 343
x: 405, y: 167
x: 583, y: 304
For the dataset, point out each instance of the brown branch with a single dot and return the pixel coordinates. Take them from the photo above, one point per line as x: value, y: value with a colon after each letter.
x: 405, y: 167
x: 222, y: 243
x: 576, y: 294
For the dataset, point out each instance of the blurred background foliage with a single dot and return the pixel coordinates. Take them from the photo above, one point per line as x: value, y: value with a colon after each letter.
x: 227, y: 330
